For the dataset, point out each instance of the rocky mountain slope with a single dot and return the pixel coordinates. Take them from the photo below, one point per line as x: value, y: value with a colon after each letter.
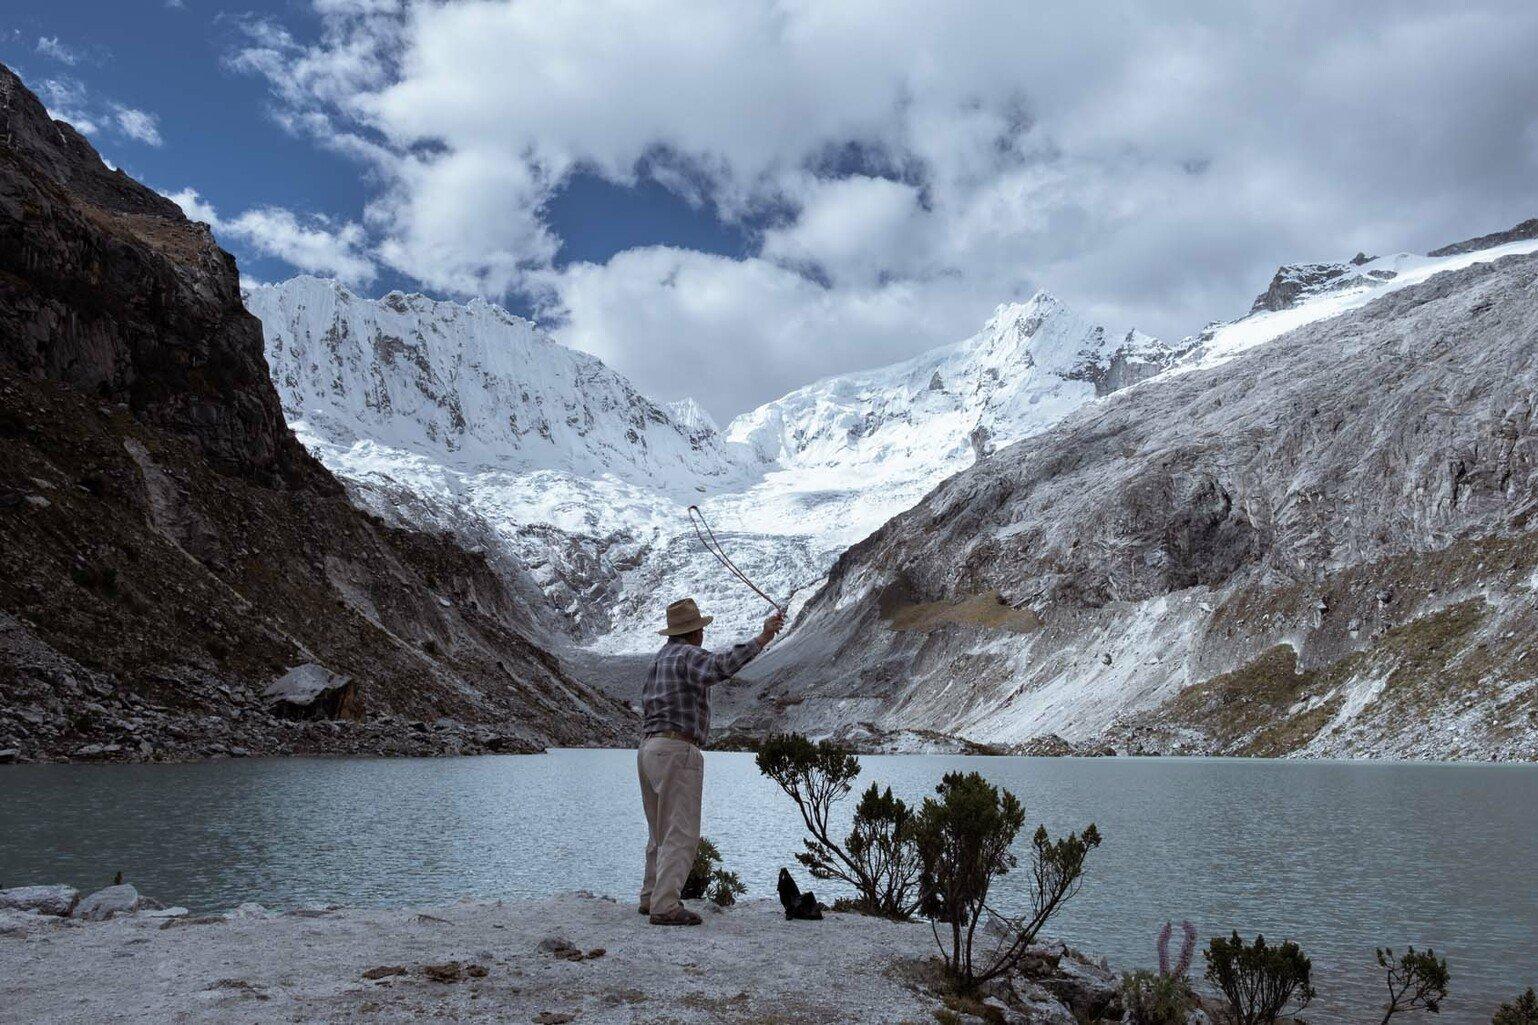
x: 1323, y: 545
x: 167, y: 548
x: 468, y: 421
x: 471, y: 385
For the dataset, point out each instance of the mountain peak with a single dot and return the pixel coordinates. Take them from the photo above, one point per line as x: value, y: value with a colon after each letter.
x: 469, y: 384
x: 1016, y: 326
x: 1040, y: 305
x: 692, y: 417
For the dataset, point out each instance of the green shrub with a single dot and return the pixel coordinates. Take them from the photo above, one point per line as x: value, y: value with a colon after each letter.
x: 878, y: 857
x: 725, y: 888
x: 707, y: 858
x: 964, y: 842
x: 1257, y: 981
x: 707, y: 877
x: 1149, y: 998
x: 1521, y: 1011
x: 1415, y: 981
x: 886, y: 859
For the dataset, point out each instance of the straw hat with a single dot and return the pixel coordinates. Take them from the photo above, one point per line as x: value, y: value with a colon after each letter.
x: 684, y: 618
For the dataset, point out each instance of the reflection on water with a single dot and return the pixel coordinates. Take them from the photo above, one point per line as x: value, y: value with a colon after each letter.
x: 1341, y: 857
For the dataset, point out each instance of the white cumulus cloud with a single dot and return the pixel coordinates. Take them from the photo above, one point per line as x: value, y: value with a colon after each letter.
x: 139, y: 125
x: 68, y: 99
x: 903, y: 166
x: 315, y: 244
x: 51, y: 46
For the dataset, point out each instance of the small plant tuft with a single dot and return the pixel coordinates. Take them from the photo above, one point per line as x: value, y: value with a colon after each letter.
x: 725, y: 888
x: 707, y: 859
x: 1165, y: 998
x: 1149, y: 998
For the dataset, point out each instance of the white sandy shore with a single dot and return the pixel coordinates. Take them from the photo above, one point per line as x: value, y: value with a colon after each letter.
x: 745, y: 964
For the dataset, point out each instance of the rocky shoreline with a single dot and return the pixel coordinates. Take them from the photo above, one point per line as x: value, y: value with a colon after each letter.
x: 148, y: 737
x: 114, y: 956
x: 120, y: 726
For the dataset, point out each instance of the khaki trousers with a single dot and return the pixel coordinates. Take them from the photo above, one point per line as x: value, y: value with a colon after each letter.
x: 672, y: 781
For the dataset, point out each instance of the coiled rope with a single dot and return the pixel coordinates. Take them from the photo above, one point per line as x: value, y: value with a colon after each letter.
x: 702, y: 531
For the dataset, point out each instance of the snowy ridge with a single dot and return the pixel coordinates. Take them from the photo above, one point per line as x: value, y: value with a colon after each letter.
x: 464, y: 418
x: 1233, y: 560
x: 1304, y: 293
x: 470, y: 386
x: 1032, y: 363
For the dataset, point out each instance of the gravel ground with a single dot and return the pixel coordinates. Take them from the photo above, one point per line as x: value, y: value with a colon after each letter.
x: 745, y: 964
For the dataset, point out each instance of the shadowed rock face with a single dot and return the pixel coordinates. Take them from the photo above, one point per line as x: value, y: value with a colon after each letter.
x: 167, y: 548
x: 1344, y: 492
x: 107, y: 287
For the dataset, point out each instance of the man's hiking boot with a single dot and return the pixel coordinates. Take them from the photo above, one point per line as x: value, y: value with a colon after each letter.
x: 683, y: 916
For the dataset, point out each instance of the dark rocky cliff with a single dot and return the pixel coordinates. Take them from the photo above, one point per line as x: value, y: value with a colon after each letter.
x: 167, y: 548
x: 105, y: 286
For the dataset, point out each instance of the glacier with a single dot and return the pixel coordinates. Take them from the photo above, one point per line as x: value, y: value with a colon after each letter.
x: 465, y: 419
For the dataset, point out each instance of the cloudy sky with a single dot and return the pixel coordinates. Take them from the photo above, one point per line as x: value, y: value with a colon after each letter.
x: 730, y: 199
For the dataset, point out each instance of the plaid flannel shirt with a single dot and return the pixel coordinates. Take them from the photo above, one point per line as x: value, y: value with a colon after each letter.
x: 676, y: 697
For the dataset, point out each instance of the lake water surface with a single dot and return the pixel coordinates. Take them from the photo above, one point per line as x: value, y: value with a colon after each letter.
x: 1341, y: 857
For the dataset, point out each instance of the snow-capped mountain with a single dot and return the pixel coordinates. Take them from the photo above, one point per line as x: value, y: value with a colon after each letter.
x: 468, y: 419
x: 1030, y: 364
x: 470, y: 386
x: 1323, y: 545
x: 463, y: 418
x: 171, y: 557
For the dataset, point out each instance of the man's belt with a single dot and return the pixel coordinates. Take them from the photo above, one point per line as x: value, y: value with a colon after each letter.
x: 673, y: 735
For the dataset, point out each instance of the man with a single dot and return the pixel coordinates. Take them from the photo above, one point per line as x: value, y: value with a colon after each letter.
x: 676, y: 722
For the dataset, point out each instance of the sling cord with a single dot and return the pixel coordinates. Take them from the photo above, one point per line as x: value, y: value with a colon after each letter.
x: 697, y: 520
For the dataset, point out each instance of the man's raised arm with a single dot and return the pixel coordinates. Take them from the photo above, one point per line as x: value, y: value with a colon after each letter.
x: 723, y: 665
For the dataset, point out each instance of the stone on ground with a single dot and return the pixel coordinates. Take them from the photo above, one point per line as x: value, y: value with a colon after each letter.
x: 44, y: 900
x: 121, y: 899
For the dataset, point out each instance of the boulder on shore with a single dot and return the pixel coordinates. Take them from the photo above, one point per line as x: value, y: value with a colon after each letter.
x: 58, y: 900
x: 311, y: 691
x: 122, y: 899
